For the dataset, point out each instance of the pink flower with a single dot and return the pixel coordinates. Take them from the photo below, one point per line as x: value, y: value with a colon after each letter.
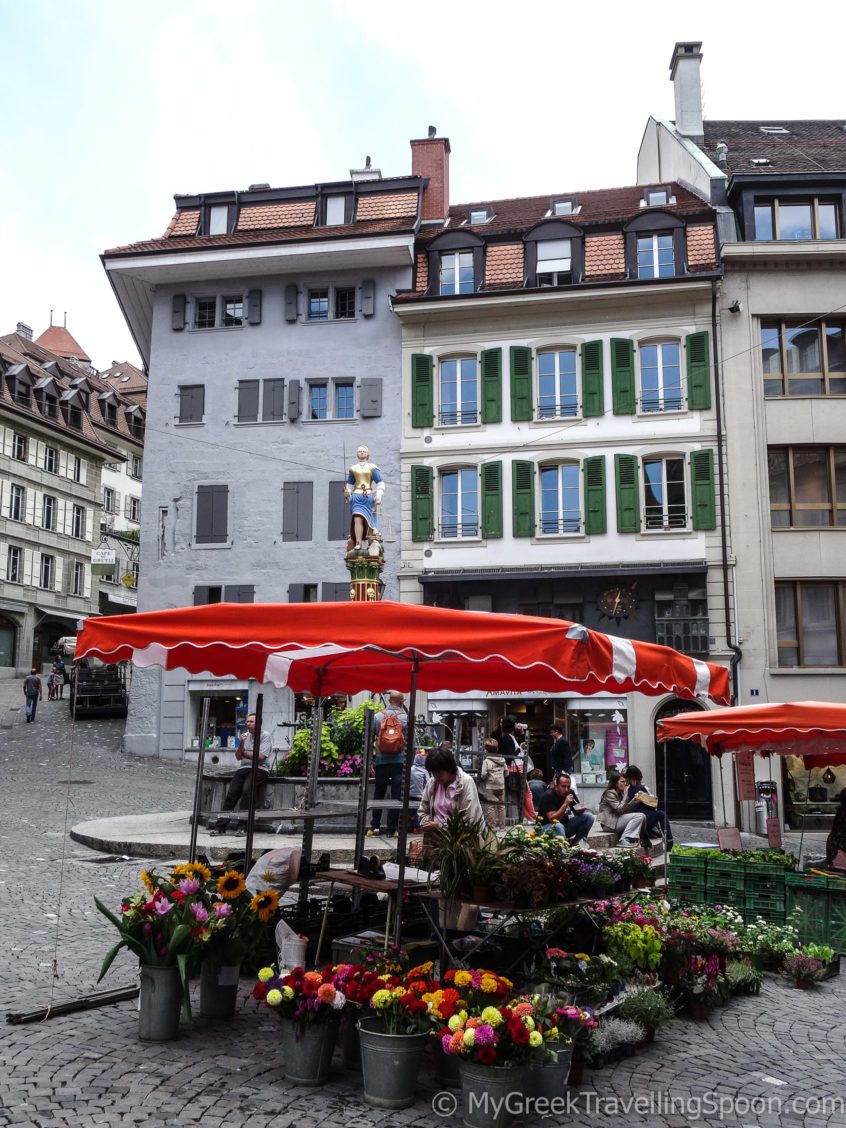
x: 199, y: 912
x: 163, y: 906
x: 222, y: 909
x: 147, y: 928
x: 485, y: 1035
x: 189, y: 885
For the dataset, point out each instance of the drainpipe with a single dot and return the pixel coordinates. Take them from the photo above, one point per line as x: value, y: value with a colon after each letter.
x: 737, y: 653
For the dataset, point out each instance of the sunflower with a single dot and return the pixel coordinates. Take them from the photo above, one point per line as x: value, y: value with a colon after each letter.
x: 192, y: 869
x: 147, y: 882
x: 231, y: 885
x: 265, y: 904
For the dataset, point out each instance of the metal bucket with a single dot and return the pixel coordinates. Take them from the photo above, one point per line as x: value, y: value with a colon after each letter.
x: 218, y: 989
x: 307, y: 1050
x: 390, y: 1064
x: 548, y: 1078
x: 484, y: 1094
x: 160, y: 1002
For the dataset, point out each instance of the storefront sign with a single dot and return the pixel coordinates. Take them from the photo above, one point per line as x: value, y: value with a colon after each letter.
x: 745, y: 775
x: 103, y: 561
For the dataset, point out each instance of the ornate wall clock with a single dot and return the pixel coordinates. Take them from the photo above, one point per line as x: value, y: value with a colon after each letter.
x: 618, y: 602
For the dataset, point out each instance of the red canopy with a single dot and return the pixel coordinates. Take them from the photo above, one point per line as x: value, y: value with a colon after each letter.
x: 813, y: 729
x: 347, y: 647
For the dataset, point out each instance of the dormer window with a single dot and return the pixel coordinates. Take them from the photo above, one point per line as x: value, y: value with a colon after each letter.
x: 655, y: 246
x: 773, y: 129
x: 456, y: 263
x: 218, y: 219
x: 554, y: 254
x: 657, y: 197
x: 336, y: 210
x: 20, y: 384
x: 564, y: 207
x: 479, y: 215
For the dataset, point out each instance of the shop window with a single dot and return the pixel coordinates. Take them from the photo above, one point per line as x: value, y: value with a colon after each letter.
x: 599, y: 739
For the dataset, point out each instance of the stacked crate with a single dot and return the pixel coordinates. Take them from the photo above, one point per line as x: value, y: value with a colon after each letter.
x: 822, y: 900
x: 686, y: 877
x: 764, y: 892
x: 725, y: 881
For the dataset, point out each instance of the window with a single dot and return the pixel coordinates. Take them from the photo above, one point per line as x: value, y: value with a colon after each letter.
x: 47, y: 572
x: 459, y: 503
x: 212, y: 515
x: 78, y: 522
x: 225, y: 312
x: 331, y: 399
x: 137, y: 467
x: 660, y: 377
x: 233, y: 311
x: 133, y: 509
x: 344, y: 303
x: 205, y: 313
x: 656, y: 197
x: 109, y: 413
x: 109, y: 500
x: 555, y: 264
x: 47, y: 404
x: 14, y: 565
x: 789, y: 218
x: 136, y: 425
x: 20, y: 447
x: 681, y: 621
x: 192, y: 403
x: 807, y: 486
x: 318, y: 305
x: 17, y: 504
x: 459, y: 391
x: 297, y: 511
x: 563, y: 207
x: 479, y: 215
x: 76, y: 469
x: 48, y: 512
x: 344, y: 399
x: 218, y: 219
x: 273, y: 400
x: 78, y: 580
x: 51, y: 460
x: 804, y: 360
x: 339, y: 520
x: 230, y: 593
x: 665, y: 502
x: 809, y: 623
x: 133, y: 570
x: 655, y: 258
x: 560, y: 499
x: 558, y: 391
x: 74, y: 417
x: 335, y: 211
x: 457, y: 274
x: 318, y: 401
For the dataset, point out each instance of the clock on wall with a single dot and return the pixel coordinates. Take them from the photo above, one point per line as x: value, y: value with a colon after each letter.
x: 618, y: 602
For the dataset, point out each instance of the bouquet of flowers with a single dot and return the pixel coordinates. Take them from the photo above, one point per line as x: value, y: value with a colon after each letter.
x: 402, y: 1004
x: 240, y: 918
x: 494, y: 1035
x: 301, y: 996
x: 479, y: 987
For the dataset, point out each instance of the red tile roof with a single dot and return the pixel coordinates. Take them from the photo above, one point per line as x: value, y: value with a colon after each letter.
x: 812, y: 146
x: 58, y: 340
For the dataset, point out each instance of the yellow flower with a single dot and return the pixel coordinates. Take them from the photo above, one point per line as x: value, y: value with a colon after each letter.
x: 489, y: 985
x: 381, y: 999
x: 273, y: 998
x: 265, y: 904
x: 288, y: 992
x: 147, y: 882
x: 491, y: 1016
x: 455, y: 1023
x: 192, y: 869
x: 463, y: 978
x: 469, y: 1037
x: 528, y: 1022
x: 231, y: 885
x: 265, y: 974
x: 422, y: 971
x: 581, y: 956
x: 535, y: 1039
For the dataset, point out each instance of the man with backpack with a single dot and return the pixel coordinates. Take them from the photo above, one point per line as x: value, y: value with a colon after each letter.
x: 390, y: 725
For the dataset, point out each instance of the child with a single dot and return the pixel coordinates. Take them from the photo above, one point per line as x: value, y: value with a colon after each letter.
x: 493, y: 784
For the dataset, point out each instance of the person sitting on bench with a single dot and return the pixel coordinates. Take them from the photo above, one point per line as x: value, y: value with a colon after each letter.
x: 656, y: 821
x: 241, y: 782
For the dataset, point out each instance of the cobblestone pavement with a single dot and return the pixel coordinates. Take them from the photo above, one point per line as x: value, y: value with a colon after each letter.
x: 88, y: 1068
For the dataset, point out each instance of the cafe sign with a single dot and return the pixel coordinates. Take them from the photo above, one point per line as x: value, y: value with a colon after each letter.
x: 103, y: 561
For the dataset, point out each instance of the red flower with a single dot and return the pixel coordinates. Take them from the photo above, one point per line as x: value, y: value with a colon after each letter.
x: 519, y: 1033
x: 259, y: 991
x: 486, y: 1055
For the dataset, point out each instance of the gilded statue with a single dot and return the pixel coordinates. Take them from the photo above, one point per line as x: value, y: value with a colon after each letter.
x: 364, y: 489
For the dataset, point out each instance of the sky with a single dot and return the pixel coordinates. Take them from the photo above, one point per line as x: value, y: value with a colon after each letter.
x: 108, y: 109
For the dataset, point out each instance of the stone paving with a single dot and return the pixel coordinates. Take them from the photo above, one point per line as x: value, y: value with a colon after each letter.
x: 88, y: 1068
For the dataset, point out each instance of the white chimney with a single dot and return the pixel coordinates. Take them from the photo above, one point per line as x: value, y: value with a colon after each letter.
x: 687, y: 87
x: 24, y: 330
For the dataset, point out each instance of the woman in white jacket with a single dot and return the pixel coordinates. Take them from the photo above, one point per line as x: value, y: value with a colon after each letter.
x: 449, y: 789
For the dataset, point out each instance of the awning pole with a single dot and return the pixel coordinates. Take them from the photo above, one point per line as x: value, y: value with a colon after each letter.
x: 723, y: 793
x: 410, y: 734
x: 198, y: 785
x: 254, y: 769
x: 804, y: 819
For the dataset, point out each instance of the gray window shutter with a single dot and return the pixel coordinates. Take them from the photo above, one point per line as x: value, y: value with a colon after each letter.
x: 368, y: 298
x: 334, y: 593
x: 178, y: 311
x: 370, y: 397
x: 297, y: 509
x: 294, y: 399
x: 296, y: 593
x: 203, y: 527
x: 273, y: 407
x: 339, y: 525
x: 201, y: 595
x: 248, y: 401
x: 239, y: 593
x: 291, y: 294
x: 254, y: 307
x: 212, y: 520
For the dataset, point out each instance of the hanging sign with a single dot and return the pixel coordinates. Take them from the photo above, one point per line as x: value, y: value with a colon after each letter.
x: 103, y: 561
x: 774, y: 832
x: 745, y: 775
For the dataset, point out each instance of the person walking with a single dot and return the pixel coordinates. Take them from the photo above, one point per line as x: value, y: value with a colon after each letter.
x: 241, y: 782
x: 391, y: 726
x: 33, y: 693
x: 59, y: 678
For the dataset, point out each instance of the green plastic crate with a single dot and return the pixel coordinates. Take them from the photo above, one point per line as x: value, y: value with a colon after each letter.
x: 726, y: 872
x: 687, y: 888
x: 807, y: 881
x: 813, y: 900
x: 837, y: 920
x: 836, y: 883
x: 723, y: 895
x: 688, y: 863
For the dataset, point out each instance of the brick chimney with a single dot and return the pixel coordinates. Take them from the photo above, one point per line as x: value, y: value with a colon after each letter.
x: 430, y: 158
x: 687, y: 87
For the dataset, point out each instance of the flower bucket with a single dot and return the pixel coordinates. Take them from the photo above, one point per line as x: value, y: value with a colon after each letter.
x: 390, y: 1064
x: 218, y: 989
x: 307, y: 1050
x: 548, y: 1078
x: 577, y: 1073
x: 160, y: 1002
x: 485, y: 1091
x: 447, y: 1073
x: 349, y: 1042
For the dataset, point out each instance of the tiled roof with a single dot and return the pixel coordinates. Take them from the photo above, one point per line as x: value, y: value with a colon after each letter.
x: 808, y: 146
x: 128, y: 380
x: 15, y: 349
x: 58, y: 340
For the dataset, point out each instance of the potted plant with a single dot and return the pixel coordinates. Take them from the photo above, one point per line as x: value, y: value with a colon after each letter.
x: 803, y: 970
x: 827, y: 957
x: 308, y: 1004
x: 576, y: 1025
x: 394, y: 1036
x: 647, y: 1007
x: 453, y: 847
x: 743, y: 978
x: 622, y: 1037
x: 487, y: 859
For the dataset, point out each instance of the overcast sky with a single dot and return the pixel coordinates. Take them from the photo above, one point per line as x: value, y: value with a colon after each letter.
x: 108, y: 109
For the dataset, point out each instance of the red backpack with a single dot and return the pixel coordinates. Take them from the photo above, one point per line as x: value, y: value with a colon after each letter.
x: 390, y: 738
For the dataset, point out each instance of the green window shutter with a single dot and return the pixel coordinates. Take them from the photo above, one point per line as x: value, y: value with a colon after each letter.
x: 596, y: 520
x: 523, y: 498
x: 521, y: 383
x: 422, y: 391
x: 698, y: 371
x: 702, y: 489
x: 422, y: 504
x: 628, y: 501
x: 593, y: 392
x: 492, y: 500
x: 623, y: 376
x: 492, y: 386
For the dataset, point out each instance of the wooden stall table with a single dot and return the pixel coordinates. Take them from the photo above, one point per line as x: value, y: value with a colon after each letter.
x: 363, y: 884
